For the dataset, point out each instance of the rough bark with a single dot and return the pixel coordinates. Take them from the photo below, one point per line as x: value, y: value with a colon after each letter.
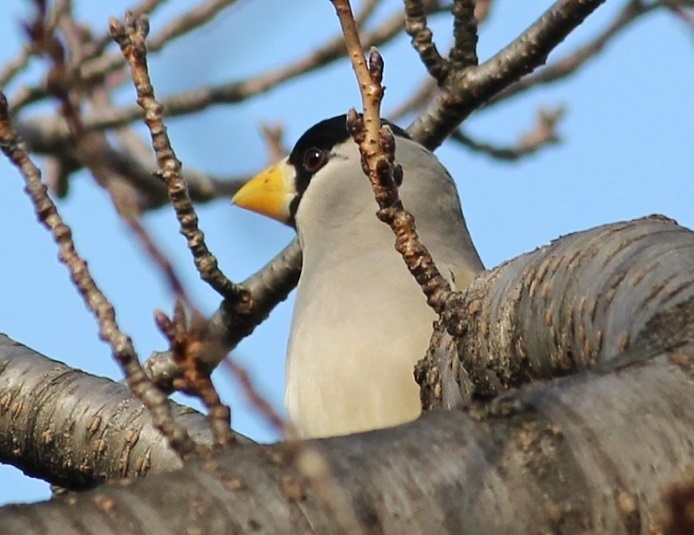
x: 593, y: 452
x: 565, y: 307
x: 74, y: 429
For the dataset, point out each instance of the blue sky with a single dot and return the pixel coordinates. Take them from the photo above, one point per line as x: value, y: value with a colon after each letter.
x: 627, y: 151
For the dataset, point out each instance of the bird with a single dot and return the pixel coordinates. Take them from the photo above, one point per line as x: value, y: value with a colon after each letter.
x: 360, y: 321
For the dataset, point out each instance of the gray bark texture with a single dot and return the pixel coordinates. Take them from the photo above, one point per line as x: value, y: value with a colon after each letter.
x: 570, y: 372
x: 76, y: 430
x: 583, y: 300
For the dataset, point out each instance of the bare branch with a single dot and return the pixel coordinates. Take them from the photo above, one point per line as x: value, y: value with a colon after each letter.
x: 46, y: 135
x: 465, y: 91
x: 159, y: 259
x: 131, y: 38
x: 183, y: 24
x: 97, y: 47
x: 273, y: 139
x: 282, y: 426
x: 563, y: 67
x: 234, y: 320
x: 189, y: 340
x: 464, y: 51
x: 682, y: 9
x: 422, y: 40
x: 573, y: 450
x: 557, y: 321
x: 377, y: 146
x: 231, y: 93
x: 543, y: 134
x: 113, y: 431
x: 97, y: 303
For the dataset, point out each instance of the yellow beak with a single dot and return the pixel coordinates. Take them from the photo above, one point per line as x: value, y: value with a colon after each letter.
x: 269, y: 193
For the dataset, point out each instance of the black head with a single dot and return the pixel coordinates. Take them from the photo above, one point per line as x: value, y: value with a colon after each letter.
x: 312, y: 150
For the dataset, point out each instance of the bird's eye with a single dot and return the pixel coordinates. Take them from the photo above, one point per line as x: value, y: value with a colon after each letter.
x: 314, y: 159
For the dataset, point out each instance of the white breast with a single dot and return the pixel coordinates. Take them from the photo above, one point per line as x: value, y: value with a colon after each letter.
x: 357, y: 375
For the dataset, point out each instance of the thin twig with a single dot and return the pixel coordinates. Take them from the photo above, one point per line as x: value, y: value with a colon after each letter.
x: 41, y: 32
x: 543, y: 134
x: 146, y: 7
x: 255, y: 398
x: 130, y: 36
x: 96, y: 301
x: 181, y: 25
x: 273, y: 140
x: 230, y: 93
x: 464, y: 51
x: 49, y: 19
x: 377, y: 146
x: 188, y: 340
x: 87, y: 146
x: 233, y: 321
x: 160, y: 260
x: 422, y: 40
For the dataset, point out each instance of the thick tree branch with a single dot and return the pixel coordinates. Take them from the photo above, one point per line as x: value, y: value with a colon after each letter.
x: 77, y: 430
x: 586, y: 298
x: 575, y: 455
x: 582, y: 441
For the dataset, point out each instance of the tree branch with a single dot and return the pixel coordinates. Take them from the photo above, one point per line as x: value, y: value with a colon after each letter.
x: 77, y: 430
x: 45, y: 135
x: 131, y: 38
x: 422, y: 40
x: 234, y: 320
x: 574, y: 455
x: 588, y: 435
x: 377, y: 148
x: 545, y: 314
x: 570, y: 63
x: 543, y: 134
x: 97, y: 303
x: 468, y: 89
x: 230, y: 93
x: 464, y: 51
